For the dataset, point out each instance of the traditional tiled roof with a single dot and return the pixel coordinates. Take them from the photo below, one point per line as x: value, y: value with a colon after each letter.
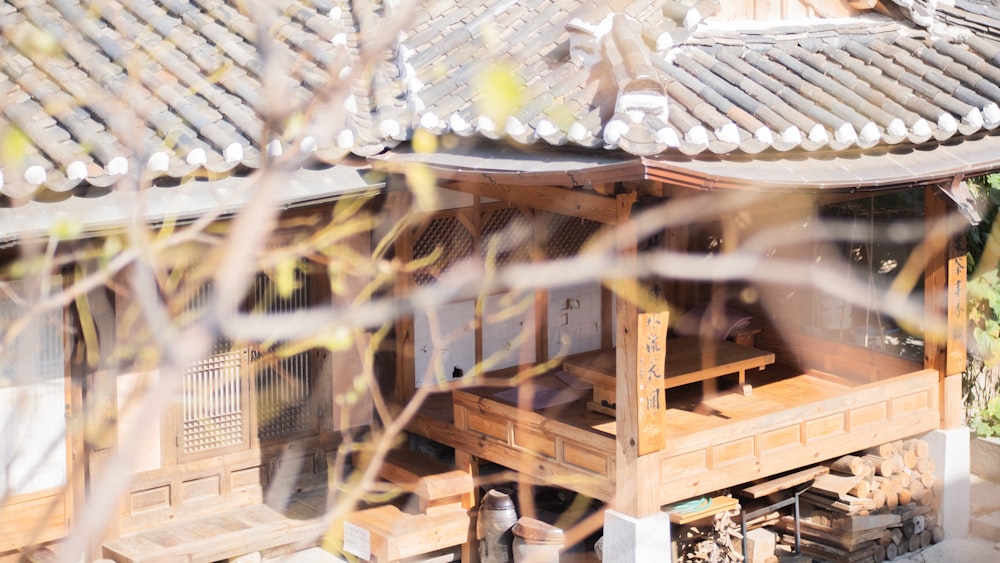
x: 94, y: 93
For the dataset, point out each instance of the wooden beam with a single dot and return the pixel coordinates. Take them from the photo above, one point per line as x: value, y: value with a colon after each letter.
x: 575, y: 203
x: 945, y: 295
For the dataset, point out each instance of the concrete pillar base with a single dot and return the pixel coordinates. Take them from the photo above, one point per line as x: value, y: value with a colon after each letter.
x: 636, y: 540
x: 950, y: 451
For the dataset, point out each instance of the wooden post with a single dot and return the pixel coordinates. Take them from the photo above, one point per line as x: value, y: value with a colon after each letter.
x: 464, y: 461
x: 945, y: 294
x: 347, y: 407
x: 639, y: 423
x: 97, y: 419
x: 405, y: 385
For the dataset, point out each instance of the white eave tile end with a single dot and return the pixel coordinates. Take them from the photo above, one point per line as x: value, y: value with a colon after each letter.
x: 614, y: 130
x: 233, y: 153
x: 77, y: 170
x: 345, y: 139
x: 117, y: 166
x: 274, y: 148
x: 158, y: 162
x: 35, y: 175
x: 197, y: 157
x: 308, y: 145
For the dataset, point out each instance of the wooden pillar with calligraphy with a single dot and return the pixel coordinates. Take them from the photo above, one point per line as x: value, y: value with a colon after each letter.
x: 945, y: 295
x: 640, y: 411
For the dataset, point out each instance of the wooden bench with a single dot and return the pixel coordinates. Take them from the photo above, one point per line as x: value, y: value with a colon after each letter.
x: 689, y: 359
x: 255, y: 528
x: 439, y: 520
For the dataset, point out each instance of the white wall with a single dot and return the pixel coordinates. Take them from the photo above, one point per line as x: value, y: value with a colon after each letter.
x: 444, y: 339
x: 574, y: 317
x: 508, y: 330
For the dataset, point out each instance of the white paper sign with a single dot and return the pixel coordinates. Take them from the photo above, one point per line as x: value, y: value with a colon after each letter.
x: 357, y: 541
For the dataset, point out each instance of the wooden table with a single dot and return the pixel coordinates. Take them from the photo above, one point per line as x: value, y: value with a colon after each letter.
x: 689, y: 359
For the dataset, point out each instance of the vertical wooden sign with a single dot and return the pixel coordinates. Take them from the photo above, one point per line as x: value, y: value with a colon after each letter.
x: 945, y: 294
x: 651, y: 366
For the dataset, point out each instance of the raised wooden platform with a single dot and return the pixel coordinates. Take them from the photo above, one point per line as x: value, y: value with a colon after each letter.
x: 231, y: 534
x: 791, y: 420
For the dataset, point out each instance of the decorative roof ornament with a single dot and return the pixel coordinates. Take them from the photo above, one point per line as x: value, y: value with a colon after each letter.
x: 920, y: 12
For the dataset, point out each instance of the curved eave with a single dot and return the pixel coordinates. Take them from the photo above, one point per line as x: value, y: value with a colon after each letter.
x: 872, y: 170
x: 841, y: 172
x: 115, y: 210
x: 507, y: 166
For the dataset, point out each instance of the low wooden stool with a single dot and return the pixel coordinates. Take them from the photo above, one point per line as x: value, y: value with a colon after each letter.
x: 792, y: 481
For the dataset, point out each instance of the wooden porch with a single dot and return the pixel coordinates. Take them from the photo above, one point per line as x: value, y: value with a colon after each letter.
x: 793, y: 416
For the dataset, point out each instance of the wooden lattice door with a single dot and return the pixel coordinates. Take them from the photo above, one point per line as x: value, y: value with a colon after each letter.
x: 244, y: 393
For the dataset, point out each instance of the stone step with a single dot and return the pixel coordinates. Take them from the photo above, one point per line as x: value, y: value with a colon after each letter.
x: 986, y: 526
x: 984, y: 495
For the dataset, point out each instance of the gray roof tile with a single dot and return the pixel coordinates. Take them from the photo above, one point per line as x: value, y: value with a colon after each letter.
x: 197, y: 82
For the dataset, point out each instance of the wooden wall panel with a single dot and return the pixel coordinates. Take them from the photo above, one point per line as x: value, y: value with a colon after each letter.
x: 488, y: 426
x: 911, y: 403
x: 779, y: 438
x: 147, y: 499
x: 825, y: 426
x: 534, y: 441
x: 875, y: 413
x: 733, y: 452
x: 688, y: 464
x: 586, y: 458
x: 204, y: 487
x: 243, y: 478
x: 579, y: 458
x: 38, y: 518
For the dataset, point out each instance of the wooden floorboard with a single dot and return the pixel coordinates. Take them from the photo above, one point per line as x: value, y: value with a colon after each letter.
x: 223, y: 536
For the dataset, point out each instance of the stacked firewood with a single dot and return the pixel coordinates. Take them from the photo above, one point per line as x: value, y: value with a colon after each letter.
x: 873, y: 505
x: 710, y: 540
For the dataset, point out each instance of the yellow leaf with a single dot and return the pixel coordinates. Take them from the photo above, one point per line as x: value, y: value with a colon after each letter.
x: 294, y: 125
x: 66, y: 229
x: 500, y: 93
x: 13, y: 146
x: 423, y: 184
x: 285, y: 277
x: 340, y: 339
x: 424, y: 141
x: 561, y: 116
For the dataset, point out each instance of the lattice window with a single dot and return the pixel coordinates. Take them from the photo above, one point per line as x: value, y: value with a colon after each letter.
x: 449, y: 237
x: 32, y: 394
x: 214, y: 413
x: 283, y: 393
x: 37, y: 352
x: 507, y: 238
x: 283, y: 383
x: 566, y: 235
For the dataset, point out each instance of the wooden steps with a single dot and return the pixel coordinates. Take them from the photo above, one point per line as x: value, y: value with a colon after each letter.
x: 389, y: 534
x: 441, y: 520
x: 231, y: 534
